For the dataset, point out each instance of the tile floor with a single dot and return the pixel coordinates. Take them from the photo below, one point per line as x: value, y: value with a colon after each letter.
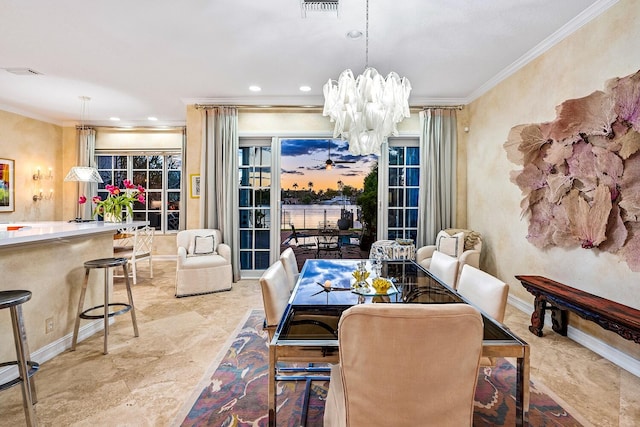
x: 145, y: 381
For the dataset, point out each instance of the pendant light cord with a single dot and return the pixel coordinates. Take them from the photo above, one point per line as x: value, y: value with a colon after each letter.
x: 366, y: 37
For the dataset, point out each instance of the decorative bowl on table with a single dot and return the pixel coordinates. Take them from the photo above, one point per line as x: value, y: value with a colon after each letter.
x: 368, y: 289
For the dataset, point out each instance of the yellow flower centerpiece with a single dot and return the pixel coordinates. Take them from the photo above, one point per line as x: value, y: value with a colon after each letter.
x: 361, y: 276
x: 381, y: 285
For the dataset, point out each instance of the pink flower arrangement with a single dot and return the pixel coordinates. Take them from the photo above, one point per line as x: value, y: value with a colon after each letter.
x: 117, y: 200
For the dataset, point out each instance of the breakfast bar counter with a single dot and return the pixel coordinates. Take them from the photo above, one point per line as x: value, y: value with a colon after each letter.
x: 47, y: 259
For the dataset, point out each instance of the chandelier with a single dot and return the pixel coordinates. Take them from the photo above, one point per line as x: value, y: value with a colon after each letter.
x: 366, y: 109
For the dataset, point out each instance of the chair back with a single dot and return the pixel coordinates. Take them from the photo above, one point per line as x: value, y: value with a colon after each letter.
x: 484, y: 290
x: 275, y: 295
x: 328, y: 240
x: 392, y: 354
x: 445, y: 268
x: 143, y: 242
x: 186, y: 238
x: 290, y: 264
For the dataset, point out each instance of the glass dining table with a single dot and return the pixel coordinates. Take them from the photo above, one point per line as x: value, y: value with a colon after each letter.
x: 324, y: 290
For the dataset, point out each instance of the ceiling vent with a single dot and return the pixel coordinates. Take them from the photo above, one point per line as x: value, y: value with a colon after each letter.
x: 23, y: 71
x: 318, y: 6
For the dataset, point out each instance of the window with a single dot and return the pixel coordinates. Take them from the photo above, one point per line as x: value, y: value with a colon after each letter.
x: 402, y: 179
x: 161, y: 176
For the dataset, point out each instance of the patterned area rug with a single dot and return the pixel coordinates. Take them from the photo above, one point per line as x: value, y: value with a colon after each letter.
x: 235, y: 394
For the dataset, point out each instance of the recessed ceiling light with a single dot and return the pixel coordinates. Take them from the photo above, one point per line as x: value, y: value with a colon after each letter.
x: 305, y: 88
x: 152, y: 119
x: 255, y: 88
x: 354, y: 34
x: 114, y: 119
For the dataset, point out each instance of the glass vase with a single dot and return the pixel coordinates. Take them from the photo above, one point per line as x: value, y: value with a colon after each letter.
x: 112, y: 217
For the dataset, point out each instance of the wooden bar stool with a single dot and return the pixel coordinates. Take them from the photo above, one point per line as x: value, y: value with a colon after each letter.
x: 13, y: 300
x: 104, y: 263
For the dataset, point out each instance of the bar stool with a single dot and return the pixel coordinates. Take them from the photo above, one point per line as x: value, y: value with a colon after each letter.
x: 13, y: 300
x: 104, y: 263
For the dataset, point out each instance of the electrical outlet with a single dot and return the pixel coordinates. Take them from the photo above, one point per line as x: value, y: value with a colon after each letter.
x: 48, y: 325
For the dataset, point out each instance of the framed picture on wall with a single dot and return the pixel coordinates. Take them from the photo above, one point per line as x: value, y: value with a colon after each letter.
x: 7, y: 185
x: 195, y: 186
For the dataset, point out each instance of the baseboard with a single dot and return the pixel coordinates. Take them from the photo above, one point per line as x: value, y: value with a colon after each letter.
x: 55, y: 348
x: 612, y: 354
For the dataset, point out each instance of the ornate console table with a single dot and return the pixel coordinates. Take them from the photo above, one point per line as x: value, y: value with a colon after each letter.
x: 560, y: 299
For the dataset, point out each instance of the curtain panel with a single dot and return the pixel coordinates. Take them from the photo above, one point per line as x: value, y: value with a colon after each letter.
x: 438, y: 146
x: 218, y: 177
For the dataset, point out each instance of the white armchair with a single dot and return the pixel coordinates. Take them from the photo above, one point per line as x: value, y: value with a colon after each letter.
x: 204, y: 263
x: 466, y: 245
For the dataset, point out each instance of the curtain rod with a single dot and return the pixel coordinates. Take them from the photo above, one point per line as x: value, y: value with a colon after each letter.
x: 314, y: 107
x: 259, y: 107
x: 443, y: 107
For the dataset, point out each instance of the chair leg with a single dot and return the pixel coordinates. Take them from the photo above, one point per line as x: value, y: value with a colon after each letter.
x: 134, y: 272
x: 150, y: 267
x: 29, y: 397
x: 305, y: 402
x: 83, y: 292
x: 107, y: 271
x: 130, y: 295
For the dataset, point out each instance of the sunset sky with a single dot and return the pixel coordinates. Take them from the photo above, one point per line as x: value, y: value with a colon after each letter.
x: 303, y: 160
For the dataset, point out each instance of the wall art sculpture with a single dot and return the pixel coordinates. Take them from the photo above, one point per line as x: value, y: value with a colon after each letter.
x: 580, y: 174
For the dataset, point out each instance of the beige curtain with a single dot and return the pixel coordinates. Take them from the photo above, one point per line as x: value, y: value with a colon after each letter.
x: 219, y: 178
x: 86, y: 157
x: 437, y: 204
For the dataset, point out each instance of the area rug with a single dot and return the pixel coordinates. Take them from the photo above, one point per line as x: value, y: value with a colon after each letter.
x: 235, y: 393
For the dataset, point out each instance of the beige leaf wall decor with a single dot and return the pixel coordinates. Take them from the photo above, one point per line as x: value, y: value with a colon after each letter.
x: 580, y: 176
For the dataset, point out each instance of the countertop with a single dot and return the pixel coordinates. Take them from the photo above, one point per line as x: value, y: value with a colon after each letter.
x: 39, y: 231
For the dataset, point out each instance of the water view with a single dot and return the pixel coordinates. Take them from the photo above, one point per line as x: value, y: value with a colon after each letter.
x: 316, y: 216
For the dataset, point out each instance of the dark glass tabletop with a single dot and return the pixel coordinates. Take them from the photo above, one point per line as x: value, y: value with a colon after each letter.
x: 414, y: 284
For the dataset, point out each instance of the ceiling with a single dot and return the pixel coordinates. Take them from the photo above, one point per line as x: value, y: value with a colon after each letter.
x: 143, y: 58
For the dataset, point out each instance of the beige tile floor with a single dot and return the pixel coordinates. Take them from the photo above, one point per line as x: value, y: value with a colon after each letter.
x: 145, y: 381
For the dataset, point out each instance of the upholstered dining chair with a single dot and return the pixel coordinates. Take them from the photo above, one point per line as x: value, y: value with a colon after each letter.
x: 290, y: 264
x: 445, y: 268
x: 391, y: 353
x: 274, y: 284
x: 275, y: 296
x: 487, y: 292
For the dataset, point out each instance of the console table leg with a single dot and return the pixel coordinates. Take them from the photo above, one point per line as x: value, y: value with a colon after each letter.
x: 559, y: 321
x: 537, y: 317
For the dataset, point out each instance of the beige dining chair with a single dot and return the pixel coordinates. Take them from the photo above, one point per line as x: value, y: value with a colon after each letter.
x: 487, y: 292
x: 275, y: 297
x: 290, y: 264
x: 445, y: 268
x: 405, y: 365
